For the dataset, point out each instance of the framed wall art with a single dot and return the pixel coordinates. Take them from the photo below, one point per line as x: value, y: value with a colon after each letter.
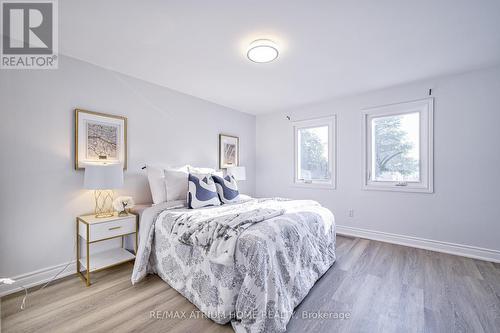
x: 229, y: 151
x: 99, y: 137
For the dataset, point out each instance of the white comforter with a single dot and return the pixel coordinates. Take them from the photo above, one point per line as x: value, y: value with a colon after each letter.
x: 275, y: 261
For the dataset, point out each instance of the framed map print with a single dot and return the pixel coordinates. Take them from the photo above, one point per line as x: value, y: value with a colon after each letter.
x: 229, y: 151
x: 99, y: 138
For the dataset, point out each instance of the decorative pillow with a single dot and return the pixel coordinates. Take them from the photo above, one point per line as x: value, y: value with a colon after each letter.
x: 227, y: 188
x: 176, y: 183
x: 202, y: 191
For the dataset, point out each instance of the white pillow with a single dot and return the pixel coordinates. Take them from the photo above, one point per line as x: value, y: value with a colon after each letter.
x: 176, y: 183
x: 205, y: 171
x: 156, y: 178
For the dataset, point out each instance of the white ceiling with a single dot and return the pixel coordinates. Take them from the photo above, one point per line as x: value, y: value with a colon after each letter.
x: 328, y: 48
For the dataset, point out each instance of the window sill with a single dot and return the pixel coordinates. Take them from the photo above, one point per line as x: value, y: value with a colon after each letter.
x: 393, y: 188
x: 314, y: 186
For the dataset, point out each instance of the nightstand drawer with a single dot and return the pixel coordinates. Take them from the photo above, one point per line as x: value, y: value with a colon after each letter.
x: 109, y: 229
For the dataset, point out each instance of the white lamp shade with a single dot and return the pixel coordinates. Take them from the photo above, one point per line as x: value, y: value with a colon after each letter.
x: 238, y: 172
x: 103, y: 176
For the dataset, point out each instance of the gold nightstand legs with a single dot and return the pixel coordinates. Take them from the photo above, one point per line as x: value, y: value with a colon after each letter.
x: 136, y: 234
x: 88, y: 257
x: 85, y: 277
x: 77, y: 247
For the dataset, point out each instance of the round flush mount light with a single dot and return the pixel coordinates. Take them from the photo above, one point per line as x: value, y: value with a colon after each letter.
x: 262, y: 50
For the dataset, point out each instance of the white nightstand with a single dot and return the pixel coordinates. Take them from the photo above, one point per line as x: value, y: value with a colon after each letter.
x: 92, y: 229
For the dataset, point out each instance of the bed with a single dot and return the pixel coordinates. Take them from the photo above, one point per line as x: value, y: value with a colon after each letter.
x: 252, y: 274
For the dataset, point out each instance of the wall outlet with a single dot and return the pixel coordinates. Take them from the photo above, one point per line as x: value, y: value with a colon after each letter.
x: 351, y: 212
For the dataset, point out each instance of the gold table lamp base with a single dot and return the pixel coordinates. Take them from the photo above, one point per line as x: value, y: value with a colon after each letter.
x: 103, y: 203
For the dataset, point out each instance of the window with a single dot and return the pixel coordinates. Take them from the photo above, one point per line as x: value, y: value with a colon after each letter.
x: 315, y: 152
x: 398, y: 147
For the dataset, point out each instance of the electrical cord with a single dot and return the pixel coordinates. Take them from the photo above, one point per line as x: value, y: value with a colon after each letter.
x: 23, y: 303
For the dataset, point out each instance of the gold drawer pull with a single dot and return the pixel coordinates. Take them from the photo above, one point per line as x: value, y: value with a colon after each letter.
x: 114, y: 228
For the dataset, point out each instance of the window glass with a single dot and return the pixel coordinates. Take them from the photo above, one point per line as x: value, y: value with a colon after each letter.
x: 396, y: 148
x: 313, y: 163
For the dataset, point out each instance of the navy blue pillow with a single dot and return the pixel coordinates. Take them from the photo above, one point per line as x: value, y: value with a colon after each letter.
x: 227, y: 188
x: 202, y: 191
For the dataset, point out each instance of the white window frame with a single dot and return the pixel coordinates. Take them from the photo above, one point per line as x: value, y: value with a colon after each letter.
x: 329, y: 121
x: 425, y: 107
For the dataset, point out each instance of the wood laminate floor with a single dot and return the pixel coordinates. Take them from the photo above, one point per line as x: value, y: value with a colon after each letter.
x: 381, y: 287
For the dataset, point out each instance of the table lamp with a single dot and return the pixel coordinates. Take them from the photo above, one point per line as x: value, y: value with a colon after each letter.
x: 238, y: 172
x: 103, y: 179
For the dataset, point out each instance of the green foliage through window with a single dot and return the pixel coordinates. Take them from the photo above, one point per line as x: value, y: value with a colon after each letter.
x: 314, y: 153
x: 392, y: 149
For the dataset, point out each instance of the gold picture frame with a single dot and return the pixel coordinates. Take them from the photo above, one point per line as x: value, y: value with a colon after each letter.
x: 229, y: 151
x: 108, y: 138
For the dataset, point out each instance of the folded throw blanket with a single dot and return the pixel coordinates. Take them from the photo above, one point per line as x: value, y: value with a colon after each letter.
x: 218, y: 235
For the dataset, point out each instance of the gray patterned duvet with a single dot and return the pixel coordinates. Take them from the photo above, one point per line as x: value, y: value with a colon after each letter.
x: 274, y: 258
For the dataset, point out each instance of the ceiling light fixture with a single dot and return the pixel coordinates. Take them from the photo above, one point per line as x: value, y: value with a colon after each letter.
x: 262, y: 50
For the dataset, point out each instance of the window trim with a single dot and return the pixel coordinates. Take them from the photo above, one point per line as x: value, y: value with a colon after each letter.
x: 331, y: 122
x: 425, y: 107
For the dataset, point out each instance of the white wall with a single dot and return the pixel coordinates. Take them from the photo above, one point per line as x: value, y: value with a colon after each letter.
x: 465, y: 208
x: 41, y: 193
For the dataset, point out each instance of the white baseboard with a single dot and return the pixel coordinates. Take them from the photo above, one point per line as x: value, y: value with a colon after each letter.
x: 38, y: 277
x: 421, y: 243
